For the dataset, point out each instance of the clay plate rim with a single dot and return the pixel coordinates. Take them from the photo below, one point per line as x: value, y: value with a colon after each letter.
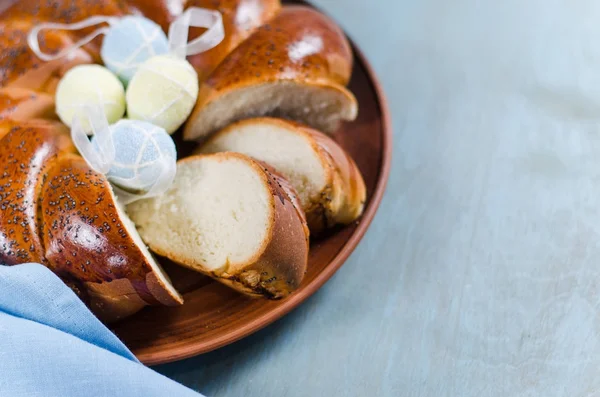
x: 187, y: 351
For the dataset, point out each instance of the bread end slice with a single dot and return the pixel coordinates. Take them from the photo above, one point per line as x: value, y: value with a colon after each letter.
x: 320, y: 105
x: 228, y: 217
x: 89, y: 240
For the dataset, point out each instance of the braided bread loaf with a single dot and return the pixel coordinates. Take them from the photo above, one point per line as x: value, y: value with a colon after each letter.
x: 56, y: 210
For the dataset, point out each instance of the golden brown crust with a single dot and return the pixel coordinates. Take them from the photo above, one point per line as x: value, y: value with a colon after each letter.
x: 85, y: 239
x: 281, y: 266
x: 240, y: 19
x: 280, y: 269
x: 64, y: 11
x: 20, y: 67
x: 113, y: 300
x: 163, y: 12
x: 28, y: 13
x: 299, y: 45
x: 7, y: 125
x: 288, y: 189
x: 345, y: 200
x: 283, y: 263
x: 23, y: 104
x: 26, y: 152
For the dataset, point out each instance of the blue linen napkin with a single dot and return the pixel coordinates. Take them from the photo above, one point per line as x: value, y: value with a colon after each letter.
x: 52, y: 345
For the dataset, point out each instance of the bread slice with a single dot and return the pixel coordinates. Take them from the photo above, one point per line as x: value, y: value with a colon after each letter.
x: 294, y: 67
x: 90, y: 242
x: 329, y: 185
x: 240, y: 19
x: 26, y: 151
x: 229, y: 217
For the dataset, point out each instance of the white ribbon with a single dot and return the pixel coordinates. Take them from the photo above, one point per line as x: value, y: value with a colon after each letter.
x: 32, y: 38
x: 178, y: 33
x: 102, y: 156
x: 99, y: 159
x: 200, y: 18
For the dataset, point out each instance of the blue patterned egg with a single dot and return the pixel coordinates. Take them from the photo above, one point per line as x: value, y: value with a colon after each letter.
x: 130, y: 42
x: 142, y: 151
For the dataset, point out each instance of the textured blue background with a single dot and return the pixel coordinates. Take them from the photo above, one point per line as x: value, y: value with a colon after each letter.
x: 479, y: 274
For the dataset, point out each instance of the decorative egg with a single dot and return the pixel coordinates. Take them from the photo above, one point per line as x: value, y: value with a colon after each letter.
x: 130, y: 42
x: 163, y: 91
x: 89, y: 85
x: 142, y: 152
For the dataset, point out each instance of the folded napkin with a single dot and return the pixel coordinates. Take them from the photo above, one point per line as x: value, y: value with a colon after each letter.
x: 52, y: 345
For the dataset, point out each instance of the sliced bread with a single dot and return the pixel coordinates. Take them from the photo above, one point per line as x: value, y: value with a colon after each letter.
x: 91, y: 243
x: 294, y: 67
x: 329, y: 185
x: 229, y: 217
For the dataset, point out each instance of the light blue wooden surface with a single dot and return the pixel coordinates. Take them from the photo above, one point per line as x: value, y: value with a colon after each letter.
x: 479, y: 276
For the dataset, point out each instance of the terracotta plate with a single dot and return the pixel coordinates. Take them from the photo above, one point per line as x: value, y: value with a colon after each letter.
x: 213, y: 315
